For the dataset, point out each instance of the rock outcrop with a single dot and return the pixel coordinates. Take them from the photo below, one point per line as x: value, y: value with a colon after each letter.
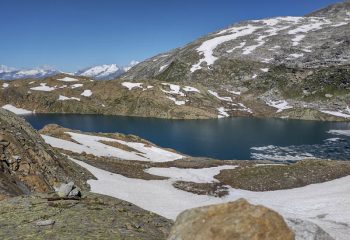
x: 236, y: 220
x: 92, y: 217
x: 28, y: 164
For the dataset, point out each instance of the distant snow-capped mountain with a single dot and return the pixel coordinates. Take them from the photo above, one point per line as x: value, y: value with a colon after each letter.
x: 5, y: 69
x: 8, y: 73
x: 105, y: 72
x: 102, y: 72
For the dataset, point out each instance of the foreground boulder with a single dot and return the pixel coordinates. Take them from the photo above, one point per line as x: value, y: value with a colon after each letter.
x: 235, y: 220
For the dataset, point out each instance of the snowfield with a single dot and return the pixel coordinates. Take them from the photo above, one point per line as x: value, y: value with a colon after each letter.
x: 326, y: 204
x: 15, y: 110
x: 203, y: 175
x: 207, y: 48
x: 92, y: 145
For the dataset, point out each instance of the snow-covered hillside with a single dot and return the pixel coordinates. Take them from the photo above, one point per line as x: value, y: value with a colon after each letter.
x: 312, y: 41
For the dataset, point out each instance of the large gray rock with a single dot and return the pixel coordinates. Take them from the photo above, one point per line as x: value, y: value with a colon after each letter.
x: 305, y: 230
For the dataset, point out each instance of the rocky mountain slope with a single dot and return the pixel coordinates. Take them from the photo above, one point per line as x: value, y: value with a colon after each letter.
x: 150, y: 98
x: 239, y: 53
x: 28, y: 164
x: 303, y: 60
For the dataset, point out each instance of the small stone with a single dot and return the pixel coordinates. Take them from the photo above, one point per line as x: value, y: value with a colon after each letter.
x: 43, y: 223
x: 328, y: 95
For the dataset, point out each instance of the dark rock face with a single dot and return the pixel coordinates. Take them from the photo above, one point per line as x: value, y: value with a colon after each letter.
x: 236, y: 220
x: 27, y: 163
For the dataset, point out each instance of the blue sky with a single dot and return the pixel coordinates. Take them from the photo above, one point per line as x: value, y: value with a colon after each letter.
x: 73, y: 34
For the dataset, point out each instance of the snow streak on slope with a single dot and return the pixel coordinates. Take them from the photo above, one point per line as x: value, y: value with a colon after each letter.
x: 207, y: 47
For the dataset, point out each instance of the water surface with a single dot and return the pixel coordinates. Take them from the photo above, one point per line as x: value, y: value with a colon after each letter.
x: 231, y: 138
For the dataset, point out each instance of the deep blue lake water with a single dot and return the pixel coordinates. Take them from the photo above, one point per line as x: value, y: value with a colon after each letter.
x: 231, y: 138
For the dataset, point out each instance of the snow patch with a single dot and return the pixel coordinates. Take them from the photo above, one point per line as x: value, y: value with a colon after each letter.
x: 190, y: 89
x: 297, y: 39
x: 222, y: 112
x: 43, y: 88
x: 130, y: 85
x: 163, y: 67
x: 202, y: 175
x: 281, y: 105
x: 215, y: 94
x: 241, y: 45
x: 207, y: 48
x: 64, y: 98
x: 336, y: 113
x: 68, y: 79
x: 15, y: 110
x: 86, y: 93
x: 174, y: 89
x: 78, y: 85
x: 177, y: 102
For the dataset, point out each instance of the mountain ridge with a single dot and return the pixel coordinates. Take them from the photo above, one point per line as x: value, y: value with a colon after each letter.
x: 97, y: 72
